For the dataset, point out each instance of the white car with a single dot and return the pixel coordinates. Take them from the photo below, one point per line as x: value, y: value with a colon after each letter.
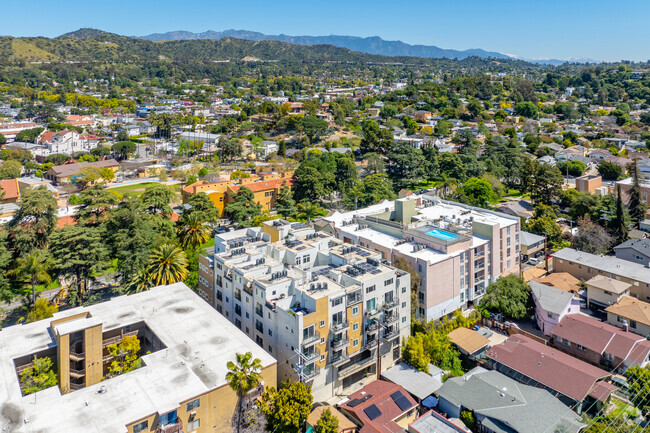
x: 534, y: 261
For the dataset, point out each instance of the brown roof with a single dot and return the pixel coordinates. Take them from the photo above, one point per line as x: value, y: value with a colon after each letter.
x: 344, y: 422
x: 548, y: 366
x: 378, y: 393
x: 561, y: 280
x: 602, y: 390
x: 609, y: 284
x: 533, y: 272
x: 631, y: 308
x: 10, y: 189
x: 468, y: 340
x: 602, y: 337
x: 66, y: 170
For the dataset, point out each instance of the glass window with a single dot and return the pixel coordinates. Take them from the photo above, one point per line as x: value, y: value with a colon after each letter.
x: 193, y: 405
x: 355, y: 343
x: 355, y: 326
x: 193, y: 425
x: 370, y: 304
x: 141, y: 427
x: 167, y: 419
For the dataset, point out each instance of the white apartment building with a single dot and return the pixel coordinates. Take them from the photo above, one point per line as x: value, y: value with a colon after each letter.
x: 317, y: 305
x: 456, y: 249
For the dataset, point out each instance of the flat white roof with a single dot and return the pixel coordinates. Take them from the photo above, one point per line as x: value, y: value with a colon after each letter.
x: 199, y: 343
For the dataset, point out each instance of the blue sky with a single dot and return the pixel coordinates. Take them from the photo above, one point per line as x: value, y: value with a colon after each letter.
x: 597, y: 29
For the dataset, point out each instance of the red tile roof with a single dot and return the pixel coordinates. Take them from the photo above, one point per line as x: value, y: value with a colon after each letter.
x: 10, y: 189
x: 602, y: 337
x: 264, y: 185
x: 548, y: 366
x: 380, y: 392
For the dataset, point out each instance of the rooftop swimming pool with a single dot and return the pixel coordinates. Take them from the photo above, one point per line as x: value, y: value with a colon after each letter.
x: 442, y: 234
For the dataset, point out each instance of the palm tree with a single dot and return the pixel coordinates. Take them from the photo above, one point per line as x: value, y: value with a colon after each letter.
x: 193, y: 232
x: 243, y: 376
x: 139, y: 282
x: 308, y: 209
x: 447, y: 185
x: 33, y: 269
x: 167, y: 265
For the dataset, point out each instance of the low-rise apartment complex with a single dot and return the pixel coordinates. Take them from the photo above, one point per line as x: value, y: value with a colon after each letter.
x: 457, y: 250
x: 321, y: 307
x: 265, y: 188
x: 180, y: 386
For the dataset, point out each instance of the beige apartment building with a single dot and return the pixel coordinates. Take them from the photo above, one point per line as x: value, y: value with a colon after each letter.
x: 180, y: 386
x: 323, y: 308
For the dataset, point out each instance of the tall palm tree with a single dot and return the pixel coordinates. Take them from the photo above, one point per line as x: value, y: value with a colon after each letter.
x: 167, y: 265
x: 243, y: 376
x: 193, y: 232
x: 33, y: 269
x: 446, y: 185
x: 139, y: 282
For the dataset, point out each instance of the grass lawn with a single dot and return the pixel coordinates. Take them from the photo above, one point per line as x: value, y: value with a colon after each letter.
x: 110, y: 270
x: 135, y: 189
x: 621, y: 409
x: 208, y: 244
x: 39, y: 288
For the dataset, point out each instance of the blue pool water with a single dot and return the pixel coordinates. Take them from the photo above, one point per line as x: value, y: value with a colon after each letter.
x: 442, y: 234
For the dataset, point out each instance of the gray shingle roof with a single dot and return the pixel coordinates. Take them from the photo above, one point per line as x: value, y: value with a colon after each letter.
x: 641, y: 246
x: 417, y: 382
x: 549, y: 298
x: 609, y: 264
x: 528, y: 238
x: 504, y: 402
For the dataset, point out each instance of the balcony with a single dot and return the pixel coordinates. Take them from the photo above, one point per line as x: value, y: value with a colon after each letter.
x: 372, y: 313
x: 76, y: 386
x: 311, y: 339
x: 390, y: 304
x: 390, y: 318
x: 76, y: 356
x: 359, y: 365
x: 354, y: 298
x: 339, y: 342
x: 339, y: 358
x: 177, y: 427
x: 248, y: 288
x: 339, y: 326
x: 310, y: 374
x: 371, y: 343
x: 372, y: 327
x: 310, y: 357
x: 390, y: 334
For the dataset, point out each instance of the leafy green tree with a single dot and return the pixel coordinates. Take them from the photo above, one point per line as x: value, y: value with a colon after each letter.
x: 3, y: 139
x: 468, y: 418
x: 374, y: 188
x: 327, y: 423
x: 546, y: 183
x: 405, y: 164
x: 202, y: 207
x: 125, y: 356
x: 6, y: 289
x: 43, y: 309
x: 167, y: 265
x: 312, y: 184
x: 478, y: 192
x: 79, y: 252
x: 156, y: 199
x: 243, y: 376
x: 415, y: 354
x: 619, y: 222
x: 124, y: 148
x: 34, y: 221
x: 544, y: 222
x: 509, y: 295
x: 39, y: 376
x: 230, y: 148
x: 10, y: 169
x: 95, y: 203
x: 635, y: 203
x: 33, y: 268
x: 29, y: 135
x: 346, y: 173
x: 526, y: 109
x: 443, y: 127
x: 282, y: 148
x: 638, y: 379
x: 193, y: 232
x: 285, y: 205
x: 375, y: 163
x: 130, y: 237
x: 609, y: 170
x: 286, y: 409
x: 574, y: 168
x: 313, y: 126
x: 308, y: 209
x: 375, y: 140
x: 452, y: 166
x: 243, y: 209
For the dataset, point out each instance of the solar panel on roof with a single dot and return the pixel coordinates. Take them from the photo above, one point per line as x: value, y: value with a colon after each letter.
x: 358, y: 401
x: 373, y: 412
x: 400, y: 400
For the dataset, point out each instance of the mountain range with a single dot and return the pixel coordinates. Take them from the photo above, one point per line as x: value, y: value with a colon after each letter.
x: 369, y: 45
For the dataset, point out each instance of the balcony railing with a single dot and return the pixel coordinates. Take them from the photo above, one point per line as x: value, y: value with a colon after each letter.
x: 339, y: 326
x: 390, y: 304
x: 353, y: 368
x: 77, y: 373
x: 390, y: 334
x: 312, y: 356
x: 354, y: 299
x: 248, y: 288
x: 339, y: 359
x: 177, y: 427
x: 372, y: 327
x: 118, y: 338
x: 312, y: 339
x: 76, y: 356
x: 76, y: 386
x: 339, y: 342
x: 390, y: 318
x: 371, y: 343
x: 372, y: 313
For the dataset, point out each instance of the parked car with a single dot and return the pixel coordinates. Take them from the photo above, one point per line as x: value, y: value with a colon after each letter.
x: 534, y: 261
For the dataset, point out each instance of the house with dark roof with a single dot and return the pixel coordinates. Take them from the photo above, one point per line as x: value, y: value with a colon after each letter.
x: 634, y: 250
x: 502, y: 405
x: 66, y: 173
x: 533, y: 363
x: 601, y: 343
x: 551, y: 304
x: 381, y: 407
